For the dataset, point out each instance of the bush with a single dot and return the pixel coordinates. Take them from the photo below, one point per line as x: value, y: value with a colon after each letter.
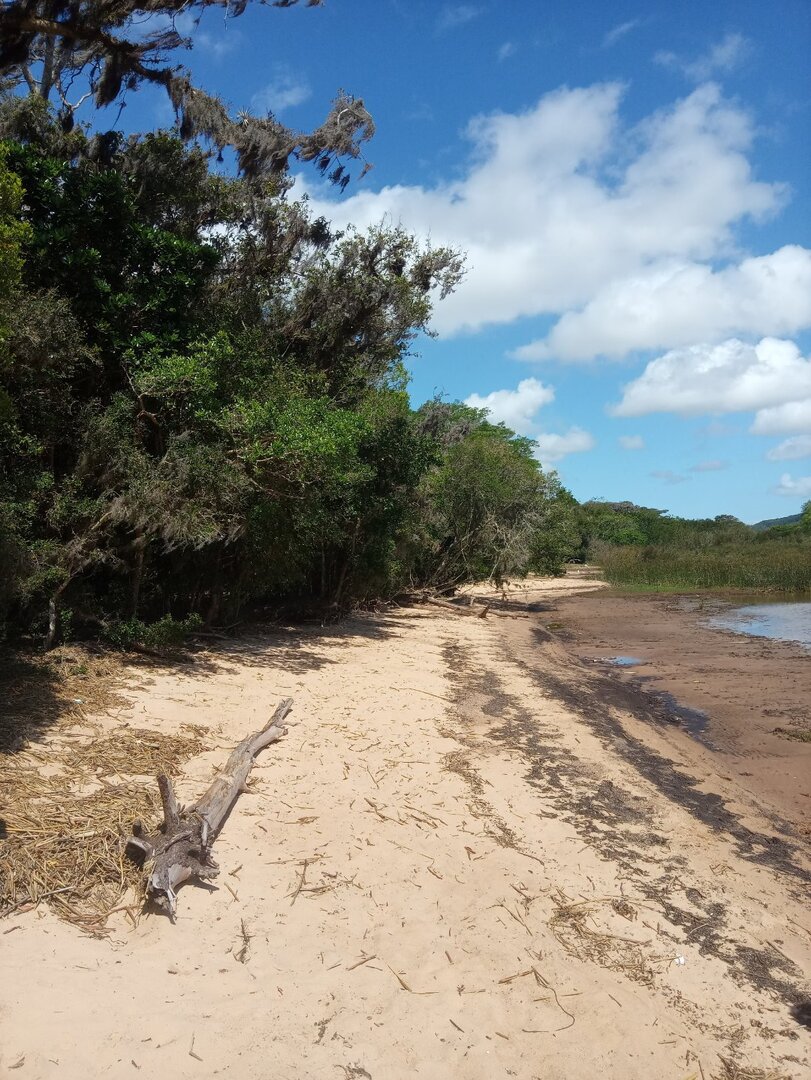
x: 166, y: 633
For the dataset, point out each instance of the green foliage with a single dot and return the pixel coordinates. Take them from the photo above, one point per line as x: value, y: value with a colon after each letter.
x: 770, y: 566
x: 489, y: 511
x: 642, y: 548
x: 14, y: 233
x: 204, y: 404
x: 166, y: 633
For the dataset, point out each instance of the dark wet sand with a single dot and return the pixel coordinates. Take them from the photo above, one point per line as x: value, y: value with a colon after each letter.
x: 743, y: 688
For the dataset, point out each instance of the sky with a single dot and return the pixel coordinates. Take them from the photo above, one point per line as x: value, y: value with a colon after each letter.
x: 630, y: 184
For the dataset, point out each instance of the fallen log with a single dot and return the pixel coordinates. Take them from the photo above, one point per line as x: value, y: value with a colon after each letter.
x: 458, y: 608
x: 181, y: 849
x: 469, y: 609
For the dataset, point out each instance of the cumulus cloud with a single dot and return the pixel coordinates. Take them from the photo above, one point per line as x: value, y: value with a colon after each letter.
x: 725, y: 378
x: 551, y: 448
x: 631, y: 442
x: 793, y: 449
x: 797, y: 489
x: 284, y: 91
x: 679, y: 303
x: 720, y: 59
x: 783, y: 419
x: 562, y: 200
x: 505, y: 51
x: 709, y: 466
x: 515, y: 408
x: 519, y: 409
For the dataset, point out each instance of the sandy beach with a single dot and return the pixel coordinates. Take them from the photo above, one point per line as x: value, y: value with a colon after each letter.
x: 475, y: 855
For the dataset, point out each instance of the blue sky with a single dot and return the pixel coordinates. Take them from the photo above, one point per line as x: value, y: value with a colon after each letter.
x: 631, y: 184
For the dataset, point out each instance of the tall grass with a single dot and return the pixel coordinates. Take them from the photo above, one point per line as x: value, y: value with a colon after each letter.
x: 766, y: 566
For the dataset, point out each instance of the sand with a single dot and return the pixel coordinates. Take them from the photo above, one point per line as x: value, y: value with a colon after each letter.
x: 463, y: 861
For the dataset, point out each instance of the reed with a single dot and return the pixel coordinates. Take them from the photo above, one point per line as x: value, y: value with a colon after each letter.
x: 769, y: 567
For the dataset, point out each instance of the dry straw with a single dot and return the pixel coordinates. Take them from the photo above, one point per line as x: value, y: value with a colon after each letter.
x: 731, y: 1070
x: 66, y: 801
x: 575, y: 927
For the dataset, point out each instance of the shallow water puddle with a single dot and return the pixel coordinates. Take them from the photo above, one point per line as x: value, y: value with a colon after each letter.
x: 780, y: 622
x: 618, y: 661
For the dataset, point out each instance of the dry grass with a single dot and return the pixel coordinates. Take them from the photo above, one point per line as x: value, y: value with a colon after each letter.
x: 66, y: 812
x: 572, y: 926
x: 731, y: 1070
x: 67, y: 801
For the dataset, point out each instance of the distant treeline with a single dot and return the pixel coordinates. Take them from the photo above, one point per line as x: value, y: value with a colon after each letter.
x: 203, y: 406
x: 641, y: 547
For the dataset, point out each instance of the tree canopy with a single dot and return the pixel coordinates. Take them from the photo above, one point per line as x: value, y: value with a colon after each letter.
x: 205, y: 405
x: 69, y: 50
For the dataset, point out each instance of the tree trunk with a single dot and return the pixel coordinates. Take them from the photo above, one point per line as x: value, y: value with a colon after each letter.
x: 137, y: 578
x: 182, y: 848
x: 54, y: 617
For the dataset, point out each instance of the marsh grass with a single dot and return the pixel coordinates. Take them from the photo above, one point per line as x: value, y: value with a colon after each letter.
x: 769, y: 567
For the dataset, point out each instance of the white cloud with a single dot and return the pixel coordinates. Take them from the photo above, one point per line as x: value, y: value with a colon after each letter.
x: 560, y: 201
x: 519, y: 408
x: 793, y: 449
x: 505, y: 51
x: 725, y: 378
x: 515, y: 408
x: 797, y: 489
x: 709, y: 466
x: 551, y: 447
x: 679, y: 303
x: 631, y: 442
x: 720, y: 59
x: 453, y: 16
x: 783, y: 419
x: 619, y: 31
x: 284, y: 91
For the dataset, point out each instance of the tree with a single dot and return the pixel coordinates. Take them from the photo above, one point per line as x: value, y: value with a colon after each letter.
x: 488, y: 510
x: 13, y: 234
x: 205, y: 386
x: 100, y: 46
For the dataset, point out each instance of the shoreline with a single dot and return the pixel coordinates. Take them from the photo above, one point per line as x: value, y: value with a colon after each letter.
x: 721, y: 693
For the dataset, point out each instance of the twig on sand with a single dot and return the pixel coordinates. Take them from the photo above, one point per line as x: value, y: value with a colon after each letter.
x: 360, y: 963
x: 404, y: 985
x: 300, y: 885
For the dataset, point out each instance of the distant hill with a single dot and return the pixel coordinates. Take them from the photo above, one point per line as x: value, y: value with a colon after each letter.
x: 792, y: 519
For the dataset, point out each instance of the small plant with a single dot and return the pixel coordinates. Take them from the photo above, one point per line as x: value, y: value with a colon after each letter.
x: 166, y: 633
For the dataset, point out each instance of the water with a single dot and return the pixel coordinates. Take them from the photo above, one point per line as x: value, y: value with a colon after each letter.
x: 781, y: 622
x: 619, y: 661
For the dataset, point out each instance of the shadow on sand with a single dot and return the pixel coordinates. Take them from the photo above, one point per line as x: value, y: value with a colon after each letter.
x: 37, y: 691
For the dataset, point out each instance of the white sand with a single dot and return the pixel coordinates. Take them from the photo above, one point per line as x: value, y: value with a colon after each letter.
x: 432, y: 868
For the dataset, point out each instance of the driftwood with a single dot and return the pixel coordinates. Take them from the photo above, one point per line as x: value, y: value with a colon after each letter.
x: 181, y: 849
x: 470, y: 610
